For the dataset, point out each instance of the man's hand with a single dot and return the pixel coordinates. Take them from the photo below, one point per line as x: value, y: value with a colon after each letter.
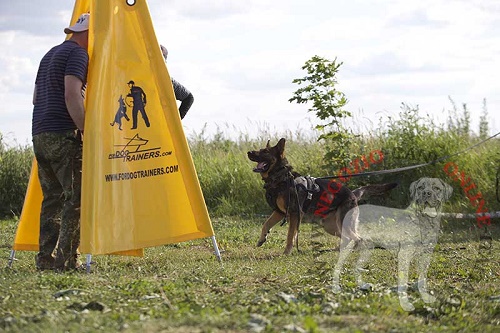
x: 74, y: 100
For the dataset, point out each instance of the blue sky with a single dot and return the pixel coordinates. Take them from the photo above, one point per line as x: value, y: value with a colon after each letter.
x: 239, y: 58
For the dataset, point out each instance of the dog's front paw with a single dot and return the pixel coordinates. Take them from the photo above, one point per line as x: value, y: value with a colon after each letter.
x: 260, y: 242
x: 336, y: 288
x: 427, y: 298
x: 405, y: 303
x: 366, y: 287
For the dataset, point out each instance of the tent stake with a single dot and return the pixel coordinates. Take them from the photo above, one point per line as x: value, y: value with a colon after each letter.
x: 216, y: 248
x: 12, y: 257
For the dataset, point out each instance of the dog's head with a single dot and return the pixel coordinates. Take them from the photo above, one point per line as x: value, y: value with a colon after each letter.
x: 268, y: 158
x: 429, y: 194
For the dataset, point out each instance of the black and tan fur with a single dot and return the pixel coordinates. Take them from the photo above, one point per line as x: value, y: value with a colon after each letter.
x: 283, y: 194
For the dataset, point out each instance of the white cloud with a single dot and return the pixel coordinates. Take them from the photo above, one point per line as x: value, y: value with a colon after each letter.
x: 239, y: 58
x: 40, y: 18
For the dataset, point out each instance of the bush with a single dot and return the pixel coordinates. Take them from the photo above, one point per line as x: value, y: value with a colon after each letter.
x: 15, y: 167
x: 231, y: 188
x: 412, y: 139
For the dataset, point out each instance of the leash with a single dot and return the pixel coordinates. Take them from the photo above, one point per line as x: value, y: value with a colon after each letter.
x: 290, y: 181
x: 498, y: 183
x: 411, y: 167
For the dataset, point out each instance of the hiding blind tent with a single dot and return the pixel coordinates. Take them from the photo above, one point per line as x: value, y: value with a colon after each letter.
x: 140, y: 187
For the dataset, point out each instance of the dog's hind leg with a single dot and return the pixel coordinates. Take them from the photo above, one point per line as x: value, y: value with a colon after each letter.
x: 346, y: 247
x: 271, y: 222
x: 366, y: 249
x: 332, y: 224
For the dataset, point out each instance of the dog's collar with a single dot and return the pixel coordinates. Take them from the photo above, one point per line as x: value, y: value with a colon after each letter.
x: 280, y: 175
x: 279, y: 180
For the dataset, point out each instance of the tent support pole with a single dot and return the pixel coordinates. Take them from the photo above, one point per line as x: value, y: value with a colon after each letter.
x: 216, y: 248
x: 88, y: 262
x: 12, y: 257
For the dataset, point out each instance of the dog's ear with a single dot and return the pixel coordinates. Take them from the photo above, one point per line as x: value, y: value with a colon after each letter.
x: 268, y: 145
x: 281, y: 146
x: 448, y: 190
x: 413, y: 188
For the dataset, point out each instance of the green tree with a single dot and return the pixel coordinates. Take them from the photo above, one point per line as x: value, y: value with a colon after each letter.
x: 318, y: 89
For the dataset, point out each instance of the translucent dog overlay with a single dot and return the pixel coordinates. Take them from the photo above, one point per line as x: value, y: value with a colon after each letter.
x: 411, y: 233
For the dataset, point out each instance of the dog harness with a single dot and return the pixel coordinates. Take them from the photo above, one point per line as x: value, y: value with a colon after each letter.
x: 285, y: 181
x: 306, y: 186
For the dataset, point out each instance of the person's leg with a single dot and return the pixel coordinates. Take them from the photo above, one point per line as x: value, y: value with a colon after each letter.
x: 68, y: 171
x: 43, y: 146
x: 134, y: 117
x: 145, y: 117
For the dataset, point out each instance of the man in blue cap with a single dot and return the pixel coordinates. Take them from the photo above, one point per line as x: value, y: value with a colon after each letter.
x: 57, y: 124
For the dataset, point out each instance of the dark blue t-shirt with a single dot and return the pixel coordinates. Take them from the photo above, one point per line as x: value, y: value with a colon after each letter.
x: 50, y: 113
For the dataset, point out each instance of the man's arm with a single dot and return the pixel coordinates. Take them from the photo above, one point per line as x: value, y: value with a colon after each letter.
x: 184, y: 95
x: 186, y: 105
x: 74, y: 100
x: 34, y: 95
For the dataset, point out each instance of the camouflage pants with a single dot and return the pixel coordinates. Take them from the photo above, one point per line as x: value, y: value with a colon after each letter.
x: 59, y: 158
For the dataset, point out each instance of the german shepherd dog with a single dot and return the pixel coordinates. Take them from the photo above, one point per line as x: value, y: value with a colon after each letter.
x: 292, y: 196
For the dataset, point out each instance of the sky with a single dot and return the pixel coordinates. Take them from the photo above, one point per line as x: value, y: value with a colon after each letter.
x: 239, y: 58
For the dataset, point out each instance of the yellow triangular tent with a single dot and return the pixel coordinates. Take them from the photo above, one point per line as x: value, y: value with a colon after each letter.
x: 28, y: 229
x: 140, y: 187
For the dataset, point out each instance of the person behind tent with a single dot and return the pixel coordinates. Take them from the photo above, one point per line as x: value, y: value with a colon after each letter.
x: 57, y: 124
x: 182, y: 94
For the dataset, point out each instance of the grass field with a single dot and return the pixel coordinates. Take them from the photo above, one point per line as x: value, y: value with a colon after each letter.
x: 183, y: 288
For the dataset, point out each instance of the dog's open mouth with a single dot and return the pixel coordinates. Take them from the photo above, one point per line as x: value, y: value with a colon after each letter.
x: 261, y: 167
x: 430, y: 211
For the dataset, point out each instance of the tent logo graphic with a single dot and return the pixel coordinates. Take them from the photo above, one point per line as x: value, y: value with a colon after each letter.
x: 138, y: 97
x: 135, y: 149
x: 120, y: 114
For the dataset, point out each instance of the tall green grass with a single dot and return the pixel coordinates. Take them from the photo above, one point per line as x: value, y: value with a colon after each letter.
x: 15, y: 166
x: 231, y: 188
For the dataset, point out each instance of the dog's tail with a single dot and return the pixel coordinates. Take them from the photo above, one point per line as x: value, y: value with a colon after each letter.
x: 374, y: 189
